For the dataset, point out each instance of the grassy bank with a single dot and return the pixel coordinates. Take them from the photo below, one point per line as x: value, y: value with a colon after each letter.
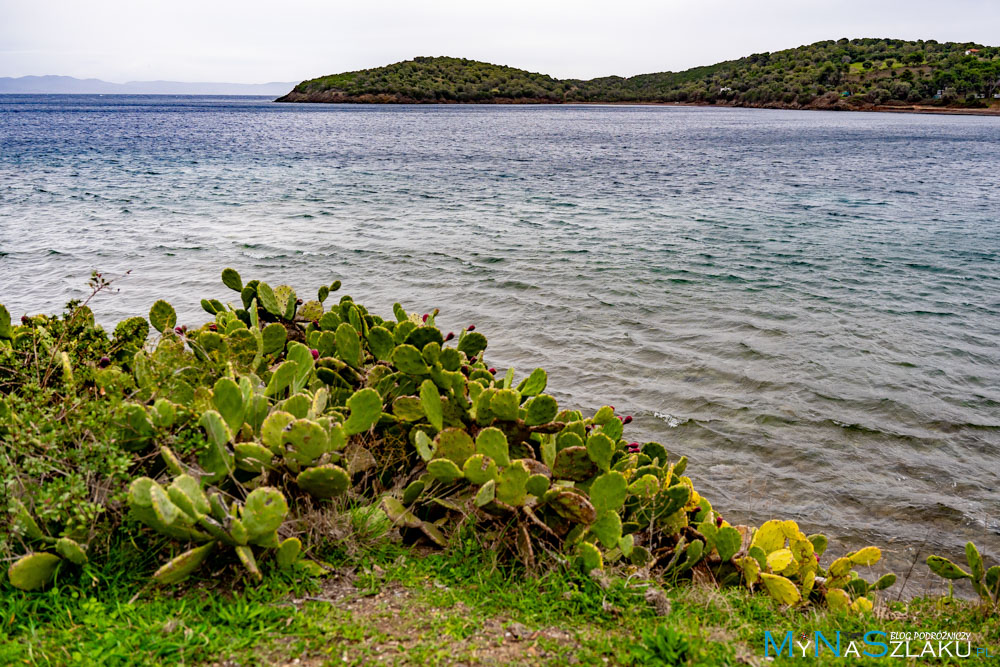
x: 311, y: 482
x: 387, y: 603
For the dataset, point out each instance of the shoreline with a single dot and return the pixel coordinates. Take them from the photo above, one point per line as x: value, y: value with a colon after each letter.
x: 840, y: 105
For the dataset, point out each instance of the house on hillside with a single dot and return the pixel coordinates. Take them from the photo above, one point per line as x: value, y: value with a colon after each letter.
x: 971, y: 52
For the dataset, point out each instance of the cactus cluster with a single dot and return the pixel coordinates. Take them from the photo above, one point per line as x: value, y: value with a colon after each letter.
x: 37, y: 568
x: 986, y: 582
x: 185, y: 512
x: 298, y: 402
x: 786, y: 562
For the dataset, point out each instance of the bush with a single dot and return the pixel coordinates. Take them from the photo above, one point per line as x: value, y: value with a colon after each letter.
x: 235, y: 441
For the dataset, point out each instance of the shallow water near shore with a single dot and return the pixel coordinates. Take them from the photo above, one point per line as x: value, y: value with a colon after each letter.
x: 806, y: 304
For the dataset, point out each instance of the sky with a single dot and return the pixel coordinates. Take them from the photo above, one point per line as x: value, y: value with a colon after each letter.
x: 257, y: 41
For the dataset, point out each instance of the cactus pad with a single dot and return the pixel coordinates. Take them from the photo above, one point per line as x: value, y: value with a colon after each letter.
x: 348, y: 344
x: 273, y: 337
x: 672, y: 499
x: 573, y: 507
x: 943, y: 567
x: 425, y: 447
x: 311, y: 311
x: 409, y: 360
x: 493, y: 443
x: 305, y: 441
x: 430, y: 401
x: 573, y: 463
x: 608, y: 529
x: 31, y: 572
x: 444, y: 470
x: 600, y: 448
x: 613, y: 429
x: 589, y: 557
x: 413, y: 491
x: 272, y: 430
x: 325, y: 481
x: 162, y: 316
x: 727, y: 542
x: 409, y: 408
x: 182, y: 566
x: 505, y: 404
x: 454, y: 444
x: 534, y: 384
x: 231, y: 279
x: 537, y: 485
x: 366, y: 409
x: 228, y: 400
x: 472, y: 343
x: 285, y: 296
x: 71, y: 551
x: 263, y: 512
x: 288, y: 552
x: 252, y: 457
x: 479, y: 469
x: 781, y: 589
x: 486, y: 494
x: 541, y: 410
x: 656, y: 452
x: 608, y: 491
x: 511, y: 485
x: 186, y: 494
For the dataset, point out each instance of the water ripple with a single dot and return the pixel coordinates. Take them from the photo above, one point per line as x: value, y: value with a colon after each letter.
x: 805, y: 304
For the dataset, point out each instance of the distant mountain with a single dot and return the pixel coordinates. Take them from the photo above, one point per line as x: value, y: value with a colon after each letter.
x: 67, y: 85
x: 842, y: 74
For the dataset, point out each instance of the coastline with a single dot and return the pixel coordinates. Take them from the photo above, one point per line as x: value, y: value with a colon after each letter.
x: 819, y: 105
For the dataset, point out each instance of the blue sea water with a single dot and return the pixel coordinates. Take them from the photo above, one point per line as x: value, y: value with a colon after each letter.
x: 806, y: 304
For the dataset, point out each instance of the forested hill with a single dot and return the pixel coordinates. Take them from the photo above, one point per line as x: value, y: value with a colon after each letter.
x: 831, y: 74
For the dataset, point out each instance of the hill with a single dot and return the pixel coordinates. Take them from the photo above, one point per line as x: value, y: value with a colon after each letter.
x: 68, y: 85
x: 830, y: 74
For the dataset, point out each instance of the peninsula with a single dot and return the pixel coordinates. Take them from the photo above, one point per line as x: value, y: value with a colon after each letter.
x: 844, y: 74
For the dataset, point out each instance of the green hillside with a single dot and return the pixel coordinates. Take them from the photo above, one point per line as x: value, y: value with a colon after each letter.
x: 830, y: 73
x: 441, y: 80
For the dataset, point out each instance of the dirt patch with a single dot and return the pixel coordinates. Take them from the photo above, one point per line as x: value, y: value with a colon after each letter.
x: 397, y: 625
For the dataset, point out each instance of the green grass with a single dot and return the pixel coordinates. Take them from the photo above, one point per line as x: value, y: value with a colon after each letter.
x: 403, y: 606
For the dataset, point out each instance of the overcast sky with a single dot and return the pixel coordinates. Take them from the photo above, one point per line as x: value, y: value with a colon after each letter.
x: 255, y: 41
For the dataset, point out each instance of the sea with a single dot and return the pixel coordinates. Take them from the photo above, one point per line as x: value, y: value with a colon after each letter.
x: 805, y: 304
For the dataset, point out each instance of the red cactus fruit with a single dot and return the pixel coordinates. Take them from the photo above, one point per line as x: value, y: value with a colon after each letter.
x: 493, y: 371
x: 627, y: 420
x: 426, y: 315
x: 314, y: 353
x: 471, y: 327
x: 451, y: 334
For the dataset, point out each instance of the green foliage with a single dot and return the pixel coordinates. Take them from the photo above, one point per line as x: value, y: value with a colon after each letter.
x: 222, y: 438
x: 792, y: 77
x: 986, y: 582
x: 663, y: 646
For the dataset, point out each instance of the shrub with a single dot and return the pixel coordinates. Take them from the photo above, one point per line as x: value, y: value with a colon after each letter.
x: 227, y: 438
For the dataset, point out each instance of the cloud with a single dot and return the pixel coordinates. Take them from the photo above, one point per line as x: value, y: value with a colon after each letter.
x: 256, y: 41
